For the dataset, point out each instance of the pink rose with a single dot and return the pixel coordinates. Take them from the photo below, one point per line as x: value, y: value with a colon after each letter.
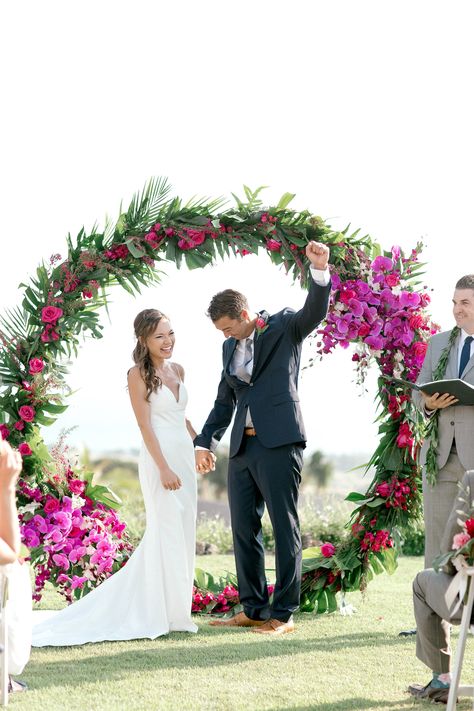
x: 24, y: 449
x: 392, y: 280
x: 51, y: 314
x: 460, y: 540
x: 383, y: 489
x: 77, y: 486
x: 51, y: 505
x: 419, y: 349
x: 20, y: 425
x: 27, y: 413
x: 328, y: 550
x: 260, y: 323
x: 273, y: 245
x: 36, y: 365
x: 4, y: 431
x: 364, y: 330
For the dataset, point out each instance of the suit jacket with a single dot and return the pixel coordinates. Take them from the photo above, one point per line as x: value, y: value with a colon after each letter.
x: 456, y: 421
x: 272, y: 394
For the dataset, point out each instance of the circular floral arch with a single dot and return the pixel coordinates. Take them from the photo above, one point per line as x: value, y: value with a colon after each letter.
x: 70, y: 524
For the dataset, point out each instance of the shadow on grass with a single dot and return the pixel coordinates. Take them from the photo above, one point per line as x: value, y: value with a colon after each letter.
x: 355, y: 704
x: 96, y: 665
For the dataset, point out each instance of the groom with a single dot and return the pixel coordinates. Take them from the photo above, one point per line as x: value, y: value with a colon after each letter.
x: 261, y: 359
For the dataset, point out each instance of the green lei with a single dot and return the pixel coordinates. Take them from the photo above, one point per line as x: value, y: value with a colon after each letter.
x: 432, y: 428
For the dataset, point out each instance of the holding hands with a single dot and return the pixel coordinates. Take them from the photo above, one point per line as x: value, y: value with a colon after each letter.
x: 205, y: 461
x: 318, y: 254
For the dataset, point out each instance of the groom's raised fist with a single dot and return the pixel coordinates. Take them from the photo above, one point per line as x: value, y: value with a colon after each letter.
x: 318, y: 254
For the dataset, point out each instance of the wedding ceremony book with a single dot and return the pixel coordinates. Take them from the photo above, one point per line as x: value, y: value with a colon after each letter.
x: 464, y: 392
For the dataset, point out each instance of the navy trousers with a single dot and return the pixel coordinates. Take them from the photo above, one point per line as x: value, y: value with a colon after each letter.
x: 259, y: 476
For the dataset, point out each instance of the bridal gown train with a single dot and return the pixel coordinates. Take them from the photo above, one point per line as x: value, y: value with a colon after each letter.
x: 151, y: 595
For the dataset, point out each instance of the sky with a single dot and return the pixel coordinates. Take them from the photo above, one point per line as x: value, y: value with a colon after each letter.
x: 361, y: 109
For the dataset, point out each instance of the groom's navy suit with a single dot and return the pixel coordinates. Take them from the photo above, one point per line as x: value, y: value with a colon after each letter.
x: 266, y: 468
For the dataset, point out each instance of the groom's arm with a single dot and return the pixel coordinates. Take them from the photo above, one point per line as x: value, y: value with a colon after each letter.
x: 219, y: 418
x: 304, y: 321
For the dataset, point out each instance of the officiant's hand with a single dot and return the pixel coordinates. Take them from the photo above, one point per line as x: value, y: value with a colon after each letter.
x: 318, y: 254
x: 170, y: 480
x: 438, y: 402
x: 205, y: 461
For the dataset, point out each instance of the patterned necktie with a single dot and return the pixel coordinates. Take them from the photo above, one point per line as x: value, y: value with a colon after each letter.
x: 465, y: 354
x: 243, y: 371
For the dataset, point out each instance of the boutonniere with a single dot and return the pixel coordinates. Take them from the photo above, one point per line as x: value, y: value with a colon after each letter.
x: 261, y: 324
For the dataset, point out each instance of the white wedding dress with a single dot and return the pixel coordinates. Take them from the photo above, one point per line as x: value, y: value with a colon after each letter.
x: 151, y: 595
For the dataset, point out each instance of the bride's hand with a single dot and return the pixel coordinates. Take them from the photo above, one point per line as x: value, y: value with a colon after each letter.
x: 170, y: 480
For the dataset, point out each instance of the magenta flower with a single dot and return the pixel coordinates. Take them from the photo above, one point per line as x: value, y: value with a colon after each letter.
x: 61, y: 561
x: 4, y: 431
x: 409, y: 299
x: 328, y: 550
x: 27, y: 413
x: 36, y: 365
x: 382, y: 264
x: 51, y: 314
x: 24, y: 449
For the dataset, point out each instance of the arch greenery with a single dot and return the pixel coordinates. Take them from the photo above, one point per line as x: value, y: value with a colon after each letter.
x: 70, y: 525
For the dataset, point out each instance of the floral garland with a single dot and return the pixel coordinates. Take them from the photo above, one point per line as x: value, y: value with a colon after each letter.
x: 432, y: 426
x: 74, y: 534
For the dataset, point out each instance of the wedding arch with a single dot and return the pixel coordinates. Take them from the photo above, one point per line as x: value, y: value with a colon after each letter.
x: 71, y: 525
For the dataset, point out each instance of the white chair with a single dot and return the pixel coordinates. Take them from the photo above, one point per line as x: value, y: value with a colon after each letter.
x: 3, y: 639
x: 455, y: 688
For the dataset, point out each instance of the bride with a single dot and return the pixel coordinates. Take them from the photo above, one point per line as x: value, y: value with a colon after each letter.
x: 151, y: 595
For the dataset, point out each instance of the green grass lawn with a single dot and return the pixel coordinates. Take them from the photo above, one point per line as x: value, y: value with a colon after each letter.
x: 330, y: 663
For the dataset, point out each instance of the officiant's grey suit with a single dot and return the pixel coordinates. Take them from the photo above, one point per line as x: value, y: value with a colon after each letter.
x: 456, y: 445
x: 434, y: 595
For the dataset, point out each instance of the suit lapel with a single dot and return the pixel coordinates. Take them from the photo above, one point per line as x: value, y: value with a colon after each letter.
x: 231, y: 345
x: 258, y: 341
x: 469, y: 366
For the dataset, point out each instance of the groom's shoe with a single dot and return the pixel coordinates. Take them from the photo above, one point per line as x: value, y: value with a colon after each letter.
x: 276, y: 627
x: 437, y: 696
x: 238, y: 620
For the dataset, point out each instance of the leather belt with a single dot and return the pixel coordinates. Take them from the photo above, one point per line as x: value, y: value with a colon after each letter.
x: 250, y: 431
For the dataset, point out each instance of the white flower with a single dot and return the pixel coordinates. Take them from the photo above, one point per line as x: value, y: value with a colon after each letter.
x: 398, y: 356
x: 29, y: 508
x: 77, y: 502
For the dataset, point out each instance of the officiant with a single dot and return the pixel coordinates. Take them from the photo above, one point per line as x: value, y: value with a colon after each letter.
x: 448, y: 450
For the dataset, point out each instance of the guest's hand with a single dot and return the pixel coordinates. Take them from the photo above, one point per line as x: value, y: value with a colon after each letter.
x: 437, y: 401
x: 170, y: 480
x: 205, y: 461
x: 318, y: 254
x: 10, y: 465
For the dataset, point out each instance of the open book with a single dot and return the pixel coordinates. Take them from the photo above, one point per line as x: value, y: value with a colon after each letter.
x: 464, y: 392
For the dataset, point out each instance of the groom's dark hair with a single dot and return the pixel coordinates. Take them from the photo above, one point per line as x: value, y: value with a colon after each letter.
x: 227, y: 303
x: 466, y: 282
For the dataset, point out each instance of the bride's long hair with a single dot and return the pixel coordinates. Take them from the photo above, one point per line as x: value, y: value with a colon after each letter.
x: 145, y: 324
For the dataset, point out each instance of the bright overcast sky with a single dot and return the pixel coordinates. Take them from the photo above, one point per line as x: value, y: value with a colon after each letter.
x: 363, y: 109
